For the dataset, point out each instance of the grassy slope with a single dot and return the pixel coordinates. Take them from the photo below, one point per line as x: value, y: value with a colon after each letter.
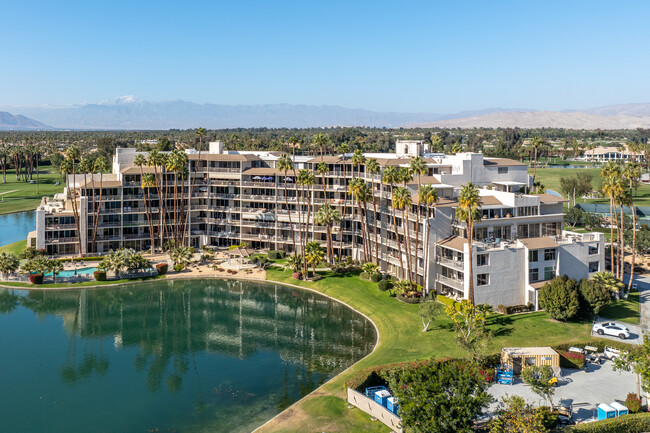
x: 624, y: 310
x: 24, y: 195
x: 16, y: 247
x: 401, y: 339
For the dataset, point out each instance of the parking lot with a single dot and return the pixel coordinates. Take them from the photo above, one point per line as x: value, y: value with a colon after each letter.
x: 585, y: 390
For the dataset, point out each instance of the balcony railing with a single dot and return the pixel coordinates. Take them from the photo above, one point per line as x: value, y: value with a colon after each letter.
x: 456, y: 264
x: 451, y: 282
x: 61, y: 240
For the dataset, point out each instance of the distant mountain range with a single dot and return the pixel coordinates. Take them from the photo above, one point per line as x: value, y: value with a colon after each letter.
x: 128, y: 112
x: 10, y: 122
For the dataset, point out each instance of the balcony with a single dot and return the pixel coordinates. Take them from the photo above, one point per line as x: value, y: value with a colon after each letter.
x: 60, y: 226
x: 451, y: 282
x: 61, y: 240
x: 456, y: 264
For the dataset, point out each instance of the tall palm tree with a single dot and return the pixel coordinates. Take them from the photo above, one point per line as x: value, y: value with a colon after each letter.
x: 4, y: 155
x: 157, y: 159
x: 611, y: 186
x: 200, y: 132
x: 391, y: 177
x: 306, y: 181
x: 322, y: 168
x: 100, y: 166
x: 402, y: 200
x: 358, y: 159
x: 285, y: 164
x: 418, y: 167
x: 427, y: 196
x: 72, y: 154
x: 344, y: 149
x: 327, y: 216
x: 622, y: 199
x: 145, y: 185
x: 632, y: 173
x: 175, y: 165
x: 372, y: 167
x: 359, y: 191
x: 405, y: 177
x: 536, y: 145
x: 468, y: 210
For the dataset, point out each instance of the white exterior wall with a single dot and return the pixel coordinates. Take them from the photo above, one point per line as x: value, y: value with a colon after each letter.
x: 575, y: 259
x: 506, y: 268
x: 40, y: 229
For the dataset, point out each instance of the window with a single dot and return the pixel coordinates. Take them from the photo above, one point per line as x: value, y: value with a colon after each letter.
x: 593, y: 249
x: 502, y: 170
x: 533, y: 255
x: 549, y: 254
x: 482, y: 260
x: 593, y: 266
x: 549, y: 273
x: 533, y: 275
x: 482, y: 279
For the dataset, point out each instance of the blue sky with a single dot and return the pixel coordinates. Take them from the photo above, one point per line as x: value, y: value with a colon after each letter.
x: 420, y: 56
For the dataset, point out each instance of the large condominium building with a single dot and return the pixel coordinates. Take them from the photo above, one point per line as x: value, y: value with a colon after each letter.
x: 230, y: 198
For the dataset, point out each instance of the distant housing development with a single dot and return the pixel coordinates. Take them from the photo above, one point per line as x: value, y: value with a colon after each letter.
x: 230, y: 198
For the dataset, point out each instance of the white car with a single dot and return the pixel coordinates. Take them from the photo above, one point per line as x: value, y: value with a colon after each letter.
x: 611, y: 328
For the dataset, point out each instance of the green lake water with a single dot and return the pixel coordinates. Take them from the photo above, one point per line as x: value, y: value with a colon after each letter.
x: 168, y: 356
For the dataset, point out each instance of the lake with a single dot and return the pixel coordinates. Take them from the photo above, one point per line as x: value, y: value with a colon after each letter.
x: 168, y: 356
x: 16, y: 226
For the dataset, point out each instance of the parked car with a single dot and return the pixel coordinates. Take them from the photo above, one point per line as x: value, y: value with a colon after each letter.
x: 611, y: 353
x: 611, y: 328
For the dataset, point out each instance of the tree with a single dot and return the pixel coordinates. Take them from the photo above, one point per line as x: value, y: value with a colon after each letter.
x: 468, y: 210
x: 612, y: 186
x: 429, y: 311
x: 632, y: 173
x: 576, y: 186
x: 306, y: 181
x: 390, y: 177
x: 181, y: 255
x: 637, y: 361
x: 70, y: 167
x: 115, y: 261
x: 591, y: 220
x: 573, y: 216
x: 294, y: 262
x: 595, y: 295
x: 314, y: 254
x: 609, y: 281
x: 440, y: 397
x: 8, y: 263
x: 322, y: 168
x: 536, y: 145
x: 514, y: 415
x: 418, y: 168
x: 38, y: 264
x: 372, y: 168
x: 285, y: 163
x: 469, y: 323
x: 559, y: 297
x: 427, y: 196
x: 402, y: 200
x: 55, y: 266
x: 327, y: 216
x: 100, y: 166
x: 538, y: 378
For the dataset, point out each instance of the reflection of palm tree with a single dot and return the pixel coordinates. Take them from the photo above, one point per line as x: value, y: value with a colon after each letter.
x: 8, y: 301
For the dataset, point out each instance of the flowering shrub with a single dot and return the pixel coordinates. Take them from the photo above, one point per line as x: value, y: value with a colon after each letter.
x: 633, y: 403
x: 297, y: 275
x: 36, y: 278
x: 572, y: 360
x: 488, y: 374
x: 100, y: 275
x: 162, y: 268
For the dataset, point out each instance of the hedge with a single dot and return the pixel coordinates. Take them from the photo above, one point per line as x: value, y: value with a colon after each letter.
x: 79, y: 259
x: 447, y: 301
x: 100, y: 275
x: 599, y: 343
x: 36, y: 278
x: 276, y: 255
x: 376, y: 277
x: 514, y: 309
x: 384, y: 285
x: 637, y: 423
x: 572, y: 360
x: 162, y: 268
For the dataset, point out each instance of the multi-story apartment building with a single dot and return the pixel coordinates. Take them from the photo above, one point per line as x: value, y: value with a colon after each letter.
x: 239, y: 197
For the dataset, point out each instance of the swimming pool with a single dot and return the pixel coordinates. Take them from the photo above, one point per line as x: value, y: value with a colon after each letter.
x: 71, y: 273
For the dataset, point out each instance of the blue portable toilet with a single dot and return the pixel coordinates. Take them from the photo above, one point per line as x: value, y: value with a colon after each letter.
x: 619, y: 408
x: 392, y: 405
x: 605, y: 411
x: 381, y: 397
x: 370, y: 392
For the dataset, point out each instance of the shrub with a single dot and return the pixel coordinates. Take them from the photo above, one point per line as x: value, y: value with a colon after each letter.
x: 513, y: 309
x: 633, y: 403
x: 36, y: 278
x: 178, y: 267
x: 376, y: 277
x: 162, y: 268
x: 100, y: 275
x: 273, y: 255
x: 447, y: 301
x: 364, y: 275
x: 595, y: 295
x: 637, y: 423
x: 384, y: 285
x: 572, y: 360
x: 297, y: 275
x: 411, y: 299
x: 559, y: 297
x: 549, y: 418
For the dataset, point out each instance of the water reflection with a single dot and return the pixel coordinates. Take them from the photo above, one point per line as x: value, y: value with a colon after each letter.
x: 231, y: 347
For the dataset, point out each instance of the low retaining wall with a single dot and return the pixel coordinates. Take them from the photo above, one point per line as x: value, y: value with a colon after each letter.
x: 371, y: 407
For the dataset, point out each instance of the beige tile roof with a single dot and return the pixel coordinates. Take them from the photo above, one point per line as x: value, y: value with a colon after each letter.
x: 424, y: 180
x: 454, y: 242
x: 266, y: 171
x: 489, y: 200
x: 104, y: 184
x: 329, y: 159
x: 502, y: 162
x: 538, y: 243
x: 550, y: 198
x: 136, y: 170
x: 223, y: 157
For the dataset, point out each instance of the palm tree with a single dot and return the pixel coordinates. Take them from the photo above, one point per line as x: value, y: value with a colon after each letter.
x: 55, y: 267
x: 468, y: 210
x: 322, y: 168
x: 147, y: 181
x: 327, y: 216
x: 623, y: 199
x: 306, y: 180
x: 285, y: 164
x: 632, y: 173
x: 200, y: 132
x: 536, y: 145
x: 157, y: 159
x: 362, y: 193
x: 343, y: 150
x: 314, y: 255
x: 100, y: 166
x: 177, y: 163
x: 86, y: 167
x: 71, y: 168
x: 402, y: 200
x: 609, y: 281
x: 181, y: 255
x: 4, y: 154
x: 390, y: 177
x: 372, y: 167
x: 418, y: 167
x: 427, y: 195
x: 612, y: 188
x: 8, y: 263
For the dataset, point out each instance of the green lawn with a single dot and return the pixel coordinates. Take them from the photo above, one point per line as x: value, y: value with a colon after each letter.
x: 624, y: 310
x: 16, y: 196
x: 401, y: 339
x: 16, y: 248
